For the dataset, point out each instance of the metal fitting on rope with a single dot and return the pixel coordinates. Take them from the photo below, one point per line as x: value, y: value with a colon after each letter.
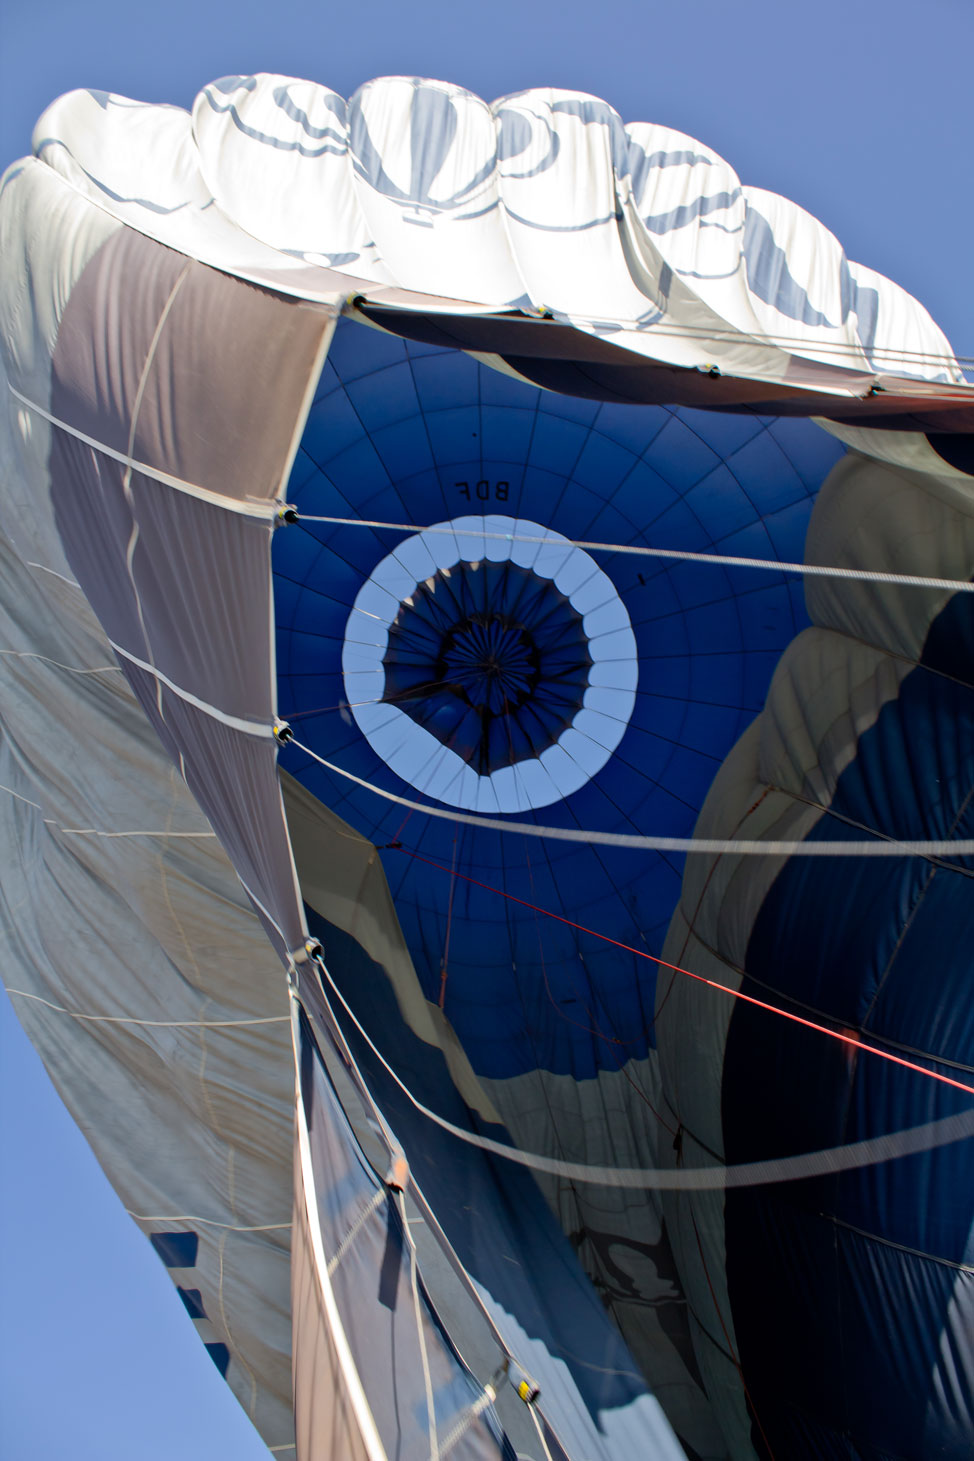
x: 397, y: 1176
x: 287, y: 513
x: 282, y: 732
x: 313, y: 949
x: 527, y: 1389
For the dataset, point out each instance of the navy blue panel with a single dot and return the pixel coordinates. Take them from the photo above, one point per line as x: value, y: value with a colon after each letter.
x: 192, y: 1302
x: 852, y: 1296
x: 415, y: 434
x: 955, y: 448
x: 949, y: 645
x: 177, y: 1250
x: 220, y: 1356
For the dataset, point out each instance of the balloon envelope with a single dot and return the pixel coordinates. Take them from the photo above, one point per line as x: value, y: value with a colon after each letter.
x: 411, y: 517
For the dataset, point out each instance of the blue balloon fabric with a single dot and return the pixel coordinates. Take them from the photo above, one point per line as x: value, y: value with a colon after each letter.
x: 636, y: 676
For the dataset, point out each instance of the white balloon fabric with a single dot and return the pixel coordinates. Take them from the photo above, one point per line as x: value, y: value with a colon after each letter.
x: 544, y: 202
x: 331, y: 432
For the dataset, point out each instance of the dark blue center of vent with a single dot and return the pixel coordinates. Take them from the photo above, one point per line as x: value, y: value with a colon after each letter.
x: 491, y: 659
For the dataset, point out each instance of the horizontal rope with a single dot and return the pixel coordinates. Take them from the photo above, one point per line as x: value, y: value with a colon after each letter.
x: 261, y: 728
x: 846, y: 1158
x: 715, y: 846
x: 96, y: 831
x: 73, y: 669
x: 150, y: 1024
x: 190, y: 1217
x: 720, y: 560
x: 849, y: 355
x: 266, y: 511
x: 855, y: 351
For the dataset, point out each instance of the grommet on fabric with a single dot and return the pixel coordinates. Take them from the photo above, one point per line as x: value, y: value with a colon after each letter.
x: 287, y: 513
x: 314, y: 949
x: 282, y: 732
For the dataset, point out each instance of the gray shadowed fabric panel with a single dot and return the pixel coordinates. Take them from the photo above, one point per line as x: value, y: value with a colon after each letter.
x: 95, y: 523
x: 132, y: 955
x: 221, y: 365
x: 142, y: 976
x: 233, y: 776
x: 177, y: 582
x: 917, y: 521
x: 106, y: 332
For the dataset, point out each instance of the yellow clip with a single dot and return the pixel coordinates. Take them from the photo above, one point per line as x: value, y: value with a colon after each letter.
x: 526, y: 1392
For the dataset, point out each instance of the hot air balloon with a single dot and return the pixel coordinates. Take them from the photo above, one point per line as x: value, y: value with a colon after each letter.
x: 487, y: 763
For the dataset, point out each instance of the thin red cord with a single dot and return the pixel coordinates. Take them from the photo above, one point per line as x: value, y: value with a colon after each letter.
x: 593, y: 1028
x: 445, y: 961
x: 774, y: 1009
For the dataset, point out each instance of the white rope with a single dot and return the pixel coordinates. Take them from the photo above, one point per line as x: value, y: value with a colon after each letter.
x: 697, y: 1179
x: 421, y: 1334
x: 189, y: 1217
x: 248, y: 508
x: 533, y: 1412
x: 373, y: 1205
x: 234, y: 722
x: 472, y: 1413
x: 150, y: 1024
x: 715, y: 846
x: 42, y: 568
x: 73, y: 669
x: 724, y: 560
x: 96, y: 831
x: 793, y: 344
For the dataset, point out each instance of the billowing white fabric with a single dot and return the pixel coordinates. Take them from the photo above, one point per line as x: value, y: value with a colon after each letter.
x: 130, y: 951
x: 424, y: 156
x: 140, y: 164
x: 583, y: 248
x: 543, y: 202
x: 301, y: 200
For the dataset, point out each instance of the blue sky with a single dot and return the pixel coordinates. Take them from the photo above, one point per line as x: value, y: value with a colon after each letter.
x: 858, y: 111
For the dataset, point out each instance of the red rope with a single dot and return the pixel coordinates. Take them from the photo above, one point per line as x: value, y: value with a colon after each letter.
x: 445, y: 962
x: 850, y: 1040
